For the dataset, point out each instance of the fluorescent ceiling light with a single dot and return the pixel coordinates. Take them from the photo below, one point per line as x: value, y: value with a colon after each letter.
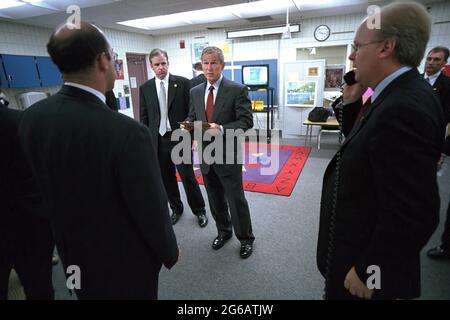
x: 226, y: 13
x: 4, y: 4
x: 32, y: 1
x: 262, y: 31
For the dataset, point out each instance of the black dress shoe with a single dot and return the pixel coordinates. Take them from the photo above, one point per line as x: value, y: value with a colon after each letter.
x: 246, y: 250
x: 220, y: 240
x: 175, y: 217
x: 202, y: 220
x: 438, y: 253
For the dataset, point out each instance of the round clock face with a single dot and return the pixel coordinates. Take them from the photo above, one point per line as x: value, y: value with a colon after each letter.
x: 322, y: 33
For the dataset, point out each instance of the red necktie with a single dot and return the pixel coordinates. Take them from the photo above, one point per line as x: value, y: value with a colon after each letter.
x: 210, y: 104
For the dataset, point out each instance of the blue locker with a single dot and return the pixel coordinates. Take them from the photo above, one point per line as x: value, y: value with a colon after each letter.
x: 48, y: 72
x: 21, y: 71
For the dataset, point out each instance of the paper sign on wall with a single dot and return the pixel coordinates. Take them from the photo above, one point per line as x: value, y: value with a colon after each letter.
x: 133, y: 82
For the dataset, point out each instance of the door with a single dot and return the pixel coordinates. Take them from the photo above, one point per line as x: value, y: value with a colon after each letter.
x: 137, y: 73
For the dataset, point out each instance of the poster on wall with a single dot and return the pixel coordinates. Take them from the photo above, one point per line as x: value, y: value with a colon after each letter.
x: 118, y: 67
x: 312, y: 71
x: 227, y: 48
x: 301, y: 93
x: 334, y: 77
x: 197, y: 48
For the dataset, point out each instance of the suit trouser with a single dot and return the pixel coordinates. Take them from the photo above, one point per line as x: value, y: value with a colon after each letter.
x: 446, y: 235
x: 186, y: 171
x: 226, y: 192
x: 27, y: 246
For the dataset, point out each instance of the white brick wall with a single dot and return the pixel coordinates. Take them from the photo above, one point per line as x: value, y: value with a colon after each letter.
x: 30, y: 40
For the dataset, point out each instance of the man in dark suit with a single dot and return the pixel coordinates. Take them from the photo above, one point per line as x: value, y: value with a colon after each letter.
x: 436, y: 60
x: 26, y: 241
x: 380, y: 198
x: 111, y: 101
x: 97, y: 171
x: 161, y: 115
x: 226, y: 107
x: 199, y: 76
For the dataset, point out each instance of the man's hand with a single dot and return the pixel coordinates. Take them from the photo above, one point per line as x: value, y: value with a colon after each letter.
x: 214, y: 129
x: 188, y: 128
x: 194, y: 145
x: 356, y: 287
x: 352, y: 93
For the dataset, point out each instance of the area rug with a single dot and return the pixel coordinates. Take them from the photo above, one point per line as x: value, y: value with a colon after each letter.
x: 272, y: 169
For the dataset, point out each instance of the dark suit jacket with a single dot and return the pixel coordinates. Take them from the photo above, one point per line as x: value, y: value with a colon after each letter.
x: 100, y: 178
x: 198, y: 80
x: 177, y: 103
x: 232, y: 110
x: 442, y: 88
x: 387, y: 200
x: 20, y: 201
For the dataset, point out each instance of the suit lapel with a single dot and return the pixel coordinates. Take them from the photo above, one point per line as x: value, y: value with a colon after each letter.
x: 220, y: 99
x: 171, y: 91
x: 201, y: 107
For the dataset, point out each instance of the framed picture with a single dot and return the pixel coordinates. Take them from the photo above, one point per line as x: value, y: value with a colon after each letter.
x: 334, y: 77
x: 312, y: 71
x: 301, y: 93
x: 118, y: 68
x: 197, y: 48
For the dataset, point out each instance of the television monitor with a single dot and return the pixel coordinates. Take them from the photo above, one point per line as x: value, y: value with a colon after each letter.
x: 255, y: 76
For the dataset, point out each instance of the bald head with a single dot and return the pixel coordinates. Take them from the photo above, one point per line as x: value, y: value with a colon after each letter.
x: 75, y: 50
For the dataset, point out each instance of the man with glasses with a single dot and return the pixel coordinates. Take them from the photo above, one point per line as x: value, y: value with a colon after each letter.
x: 98, y: 174
x: 380, y: 200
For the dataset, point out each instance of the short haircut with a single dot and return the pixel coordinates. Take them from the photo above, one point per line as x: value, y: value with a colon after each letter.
x: 158, y: 52
x: 410, y: 25
x: 198, y: 66
x: 212, y: 50
x: 440, y: 49
x: 78, y: 48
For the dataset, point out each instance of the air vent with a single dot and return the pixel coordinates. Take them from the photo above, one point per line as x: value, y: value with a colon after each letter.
x: 259, y: 19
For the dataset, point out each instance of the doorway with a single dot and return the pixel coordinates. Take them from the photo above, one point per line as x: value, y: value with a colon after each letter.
x: 137, y: 73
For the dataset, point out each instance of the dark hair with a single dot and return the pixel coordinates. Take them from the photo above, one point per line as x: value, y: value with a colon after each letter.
x: 198, y: 66
x: 157, y: 52
x: 77, y: 49
x: 440, y: 49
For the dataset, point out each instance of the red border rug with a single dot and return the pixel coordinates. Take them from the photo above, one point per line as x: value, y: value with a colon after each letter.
x: 291, y: 160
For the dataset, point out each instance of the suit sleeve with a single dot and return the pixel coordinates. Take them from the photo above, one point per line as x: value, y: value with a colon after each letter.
x: 349, y: 114
x: 191, y: 115
x: 143, y: 191
x: 243, y: 111
x: 403, y: 155
x: 143, y: 113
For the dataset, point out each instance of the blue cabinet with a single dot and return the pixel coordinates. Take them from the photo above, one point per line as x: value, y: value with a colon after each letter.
x: 21, y: 71
x: 2, y: 74
x: 48, y: 72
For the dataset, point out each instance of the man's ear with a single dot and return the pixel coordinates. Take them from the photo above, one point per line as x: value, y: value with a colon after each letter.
x: 388, y: 48
x: 103, y: 62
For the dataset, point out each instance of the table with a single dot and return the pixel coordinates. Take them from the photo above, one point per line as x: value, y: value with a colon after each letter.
x: 331, y: 121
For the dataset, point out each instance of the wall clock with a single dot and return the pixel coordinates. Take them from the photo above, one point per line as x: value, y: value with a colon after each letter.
x: 322, y: 33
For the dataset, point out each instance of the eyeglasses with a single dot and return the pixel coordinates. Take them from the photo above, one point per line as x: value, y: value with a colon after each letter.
x: 356, y: 47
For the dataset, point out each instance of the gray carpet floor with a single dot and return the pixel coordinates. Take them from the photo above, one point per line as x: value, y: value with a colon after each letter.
x: 283, y: 263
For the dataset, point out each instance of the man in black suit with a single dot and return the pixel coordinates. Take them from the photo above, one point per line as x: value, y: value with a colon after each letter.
x: 161, y: 115
x: 436, y: 60
x: 111, y: 101
x: 199, y: 76
x: 97, y: 171
x: 226, y: 107
x: 26, y: 241
x: 380, y: 200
